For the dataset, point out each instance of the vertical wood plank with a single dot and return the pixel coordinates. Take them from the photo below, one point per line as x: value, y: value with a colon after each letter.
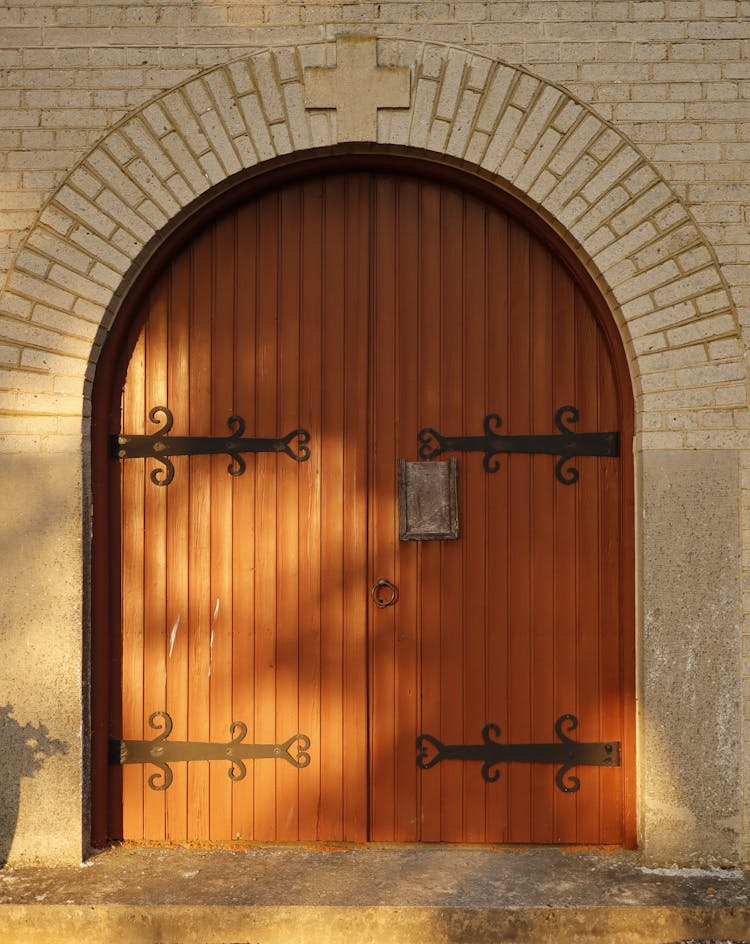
x: 107, y: 646
x: 617, y: 408
x: 243, y: 508
x: 543, y: 485
x: 266, y: 424
x: 355, y: 491
x: 610, y: 668
x: 519, y: 582
x: 133, y: 485
x: 288, y: 520
x: 310, y: 589
x: 473, y: 542
x: 406, y: 669
x: 178, y: 510
x: 430, y: 356
x: 588, y: 576
x: 335, y: 267
x: 199, y: 561
x: 155, y: 522
x: 220, y: 631
x: 497, y: 599
x: 565, y: 587
x: 452, y: 640
x: 382, y: 512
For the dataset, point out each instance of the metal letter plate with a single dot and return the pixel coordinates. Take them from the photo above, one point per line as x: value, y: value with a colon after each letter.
x: 428, y: 500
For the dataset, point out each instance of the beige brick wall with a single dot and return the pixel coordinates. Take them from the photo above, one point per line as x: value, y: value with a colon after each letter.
x: 673, y: 76
x: 668, y: 293
x: 651, y: 178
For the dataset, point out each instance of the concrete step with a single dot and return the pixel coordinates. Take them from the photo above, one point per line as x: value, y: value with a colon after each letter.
x: 237, y: 924
x: 308, y: 894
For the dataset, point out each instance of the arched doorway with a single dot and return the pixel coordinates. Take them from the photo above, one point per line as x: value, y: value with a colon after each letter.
x: 364, y: 306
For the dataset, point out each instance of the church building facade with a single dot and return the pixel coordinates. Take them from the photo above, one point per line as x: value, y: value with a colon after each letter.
x: 374, y: 425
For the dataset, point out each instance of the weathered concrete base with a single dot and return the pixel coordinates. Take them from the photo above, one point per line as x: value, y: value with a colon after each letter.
x: 173, y: 924
x: 41, y: 630
x: 690, y: 708
x: 371, y: 895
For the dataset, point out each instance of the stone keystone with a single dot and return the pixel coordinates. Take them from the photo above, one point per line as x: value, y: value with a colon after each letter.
x: 356, y: 87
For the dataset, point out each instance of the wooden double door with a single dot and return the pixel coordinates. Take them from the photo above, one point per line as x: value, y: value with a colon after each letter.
x: 362, y: 307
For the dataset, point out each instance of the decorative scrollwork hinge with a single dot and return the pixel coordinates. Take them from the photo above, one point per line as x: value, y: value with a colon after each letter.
x: 566, y: 444
x: 161, y: 753
x: 159, y: 446
x: 567, y: 754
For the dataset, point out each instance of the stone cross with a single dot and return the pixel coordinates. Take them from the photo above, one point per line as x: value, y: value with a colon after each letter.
x: 356, y: 87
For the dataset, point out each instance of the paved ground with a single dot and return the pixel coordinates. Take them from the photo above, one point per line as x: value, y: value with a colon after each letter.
x: 372, y: 894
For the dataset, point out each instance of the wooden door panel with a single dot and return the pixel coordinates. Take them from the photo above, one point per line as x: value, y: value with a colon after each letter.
x: 508, y: 617
x: 245, y: 601
x: 364, y: 307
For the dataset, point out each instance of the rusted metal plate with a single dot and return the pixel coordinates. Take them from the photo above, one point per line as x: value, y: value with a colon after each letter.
x: 428, y: 500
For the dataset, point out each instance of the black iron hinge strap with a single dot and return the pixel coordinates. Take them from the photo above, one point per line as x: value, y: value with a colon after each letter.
x: 566, y: 444
x: 161, y: 753
x: 568, y: 753
x: 160, y: 446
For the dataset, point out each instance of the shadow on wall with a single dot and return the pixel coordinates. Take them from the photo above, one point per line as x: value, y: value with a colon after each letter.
x: 23, y: 750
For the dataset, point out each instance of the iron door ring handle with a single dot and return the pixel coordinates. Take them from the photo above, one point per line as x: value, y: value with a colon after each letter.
x: 381, y: 600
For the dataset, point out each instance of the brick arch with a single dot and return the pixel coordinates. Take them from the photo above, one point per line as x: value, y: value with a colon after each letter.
x: 646, y: 253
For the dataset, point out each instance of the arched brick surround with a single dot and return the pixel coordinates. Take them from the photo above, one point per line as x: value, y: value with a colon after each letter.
x: 638, y: 240
x: 627, y: 226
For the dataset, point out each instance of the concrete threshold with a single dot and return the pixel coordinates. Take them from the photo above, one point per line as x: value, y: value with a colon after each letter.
x: 374, y: 894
